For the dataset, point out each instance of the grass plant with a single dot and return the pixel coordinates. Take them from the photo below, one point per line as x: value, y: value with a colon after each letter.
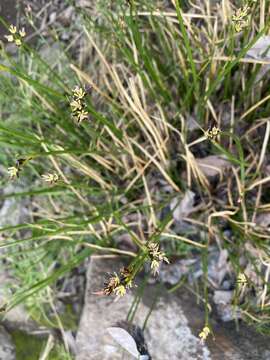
x: 168, y: 83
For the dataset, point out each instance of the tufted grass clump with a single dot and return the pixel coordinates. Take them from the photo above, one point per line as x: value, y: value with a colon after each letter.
x: 168, y: 84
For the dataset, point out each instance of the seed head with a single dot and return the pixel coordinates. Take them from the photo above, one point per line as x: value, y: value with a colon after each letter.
x: 120, y: 290
x: 118, y: 284
x: 18, y: 42
x: 22, y: 32
x: 50, y: 178
x: 156, y: 256
x: 79, y: 93
x: 12, y: 29
x: 239, y: 19
x: 204, y: 334
x: 212, y: 133
x: 78, y: 105
x: 9, y: 38
x: 241, y: 279
x: 111, y: 284
x: 13, y: 172
x: 82, y: 115
x: 15, y: 36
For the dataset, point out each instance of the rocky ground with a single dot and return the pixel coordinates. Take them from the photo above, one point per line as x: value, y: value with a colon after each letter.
x: 171, y: 332
x: 176, y: 318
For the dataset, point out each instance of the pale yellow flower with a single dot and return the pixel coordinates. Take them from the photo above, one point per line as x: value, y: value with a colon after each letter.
x: 120, y: 290
x: 9, y: 38
x: 204, y: 333
x: 22, y: 32
x: 13, y: 172
x: 156, y: 256
x: 79, y: 93
x: 241, y: 278
x: 76, y: 105
x: 51, y: 178
x: 239, y: 19
x: 155, y: 266
x: 15, y: 37
x: 12, y: 29
x: 82, y: 115
x: 212, y: 133
x: 18, y: 42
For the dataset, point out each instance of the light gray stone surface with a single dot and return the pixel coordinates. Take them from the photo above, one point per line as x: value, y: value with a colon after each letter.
x: 167, y: 335
x: 172, y: 329
x: 7, y: 349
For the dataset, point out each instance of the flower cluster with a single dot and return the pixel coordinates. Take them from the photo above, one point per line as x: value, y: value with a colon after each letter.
x: 212, y: 133
x: 15, y: 170
x: 156, y: 256
x: 240, y: 18
x: 204, y: 333
x: 50, y: 178
x: 118, y: 284
x: 241, y: 279
x: 78, y: 105
x: 15, y: 36
x: 122, y: 24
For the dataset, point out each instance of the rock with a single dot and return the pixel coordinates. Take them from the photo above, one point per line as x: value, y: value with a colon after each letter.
x: 260, y: 50
x: 66, y: 16
x: 172, y: 328
x: 223, y: 297
x: 182, y: 208
x: 172, y: 273
x: 51, y: 53
x: 52, y: 17
x: 212, y: 165
x: 263, y: 219
x: 167, y: 335
x: 13, y: 210
x: 7, y: 348
x: 18, y: 319
x: 226, y: 310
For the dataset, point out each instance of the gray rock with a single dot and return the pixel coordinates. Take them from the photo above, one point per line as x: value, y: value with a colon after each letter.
x: 172, y: 328
x: 13, y: 210
x: 168, y: 335
x: 7, y: 348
